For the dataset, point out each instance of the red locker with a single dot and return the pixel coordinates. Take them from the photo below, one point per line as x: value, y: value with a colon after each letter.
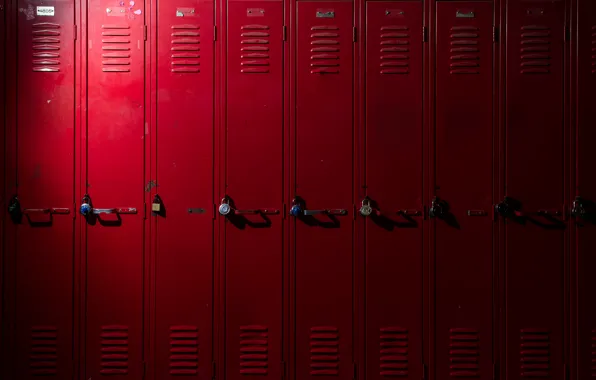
x: 323, y: 229
x: 393, y: 90
x: 40, y: 208
x: 184, y: 190
x: 535, y: 181
x: 253, y: 229
x: 584, y: 209
x: 114, y: 233
x: 462, y: 209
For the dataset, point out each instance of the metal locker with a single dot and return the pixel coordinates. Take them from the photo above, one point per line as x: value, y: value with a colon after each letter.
x: 252, y: 203
x: 40, y: 183
x: 182, y: 194
x: 393, y: 206
x: 113, y: 208
x: 462, y: 245
x: 323, y: 230
x: 534, y: 211
x: 583, y: 207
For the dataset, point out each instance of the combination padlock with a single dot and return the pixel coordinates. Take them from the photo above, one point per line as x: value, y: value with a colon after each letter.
x: 86, y: 208
x: 296, y: 209
x: 14, y: 208
x: 366, y: 209
x: 224, y: 207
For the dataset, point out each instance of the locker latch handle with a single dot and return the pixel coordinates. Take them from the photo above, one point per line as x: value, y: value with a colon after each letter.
x: 87, y: 208
x: 437, y: 208
x: 299, y: 210
x: 60, y: 211
x: 225, y: 208
x: 507, y: 209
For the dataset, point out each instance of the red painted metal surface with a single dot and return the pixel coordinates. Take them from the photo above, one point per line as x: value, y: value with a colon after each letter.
x: 254, y: 178
x: 463, y: 240
x: 184, y: 188
x: 585, y: 189
x: 323, y: 251
x: 44, y: 176
x: 115, y: 179
x: 394, y: 66
x: 535, y: 237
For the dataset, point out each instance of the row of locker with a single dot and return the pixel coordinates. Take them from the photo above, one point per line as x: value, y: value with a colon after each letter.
x: 253, y: 189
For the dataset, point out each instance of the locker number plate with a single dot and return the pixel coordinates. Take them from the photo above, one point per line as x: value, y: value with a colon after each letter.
x: 45, y: 11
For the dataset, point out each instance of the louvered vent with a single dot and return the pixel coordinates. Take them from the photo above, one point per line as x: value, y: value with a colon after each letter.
x: 465, y: 50
x: 594, y: 51
x: 46, y: 47
x: 535, y: 353
x: 44, y: 351
x: 115, y: 46
x: 535, y: 49
x: 395, y: 41
x: 184, y: 356
x: 394, y: 351
x: 185, y: 49
x: 324, y: 50
x: 114, y: 350
x: 254, y: 52
x: 254, y: 350
x: 593, y: 367
x: 464, y: 352
x: 324, y: 351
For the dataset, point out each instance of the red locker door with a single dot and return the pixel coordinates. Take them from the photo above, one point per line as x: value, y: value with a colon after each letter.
x: 43, y: 192
x: 323, y: 237
x: 463, y: 227
x: 254, y: 167
x: 116, y: 135
x: 184, y: 256
x: 534, y: 227
x: 586, y: 189
x: 394, y: 66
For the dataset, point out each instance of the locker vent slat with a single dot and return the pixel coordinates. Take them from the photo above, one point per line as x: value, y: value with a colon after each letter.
x: 324, y: 351
x: 46, y: 47
x: 184, y: 353
x: 115, y: 45
x: 535, y: 353
x: 393, y: 352
x: 593, y: 366
x: 594, y: 56
x: 114, y: 350
x: 464, y: 353
x: 255, y: 38
x: 535, y: 49
x: 324, y: 39
x: 254, y: 350
x: 394, y: 49
x: 43, y: 359
x: 465, y: 51
x: 185, y: 47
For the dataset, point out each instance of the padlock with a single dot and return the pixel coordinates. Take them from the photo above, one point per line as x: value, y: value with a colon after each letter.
x: 366, y: 209
x: 296, y: 209
x: 86, y: 208
x: 224, y: 207
x: 156, y: 204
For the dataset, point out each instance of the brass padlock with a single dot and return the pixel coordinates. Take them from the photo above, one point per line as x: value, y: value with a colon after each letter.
x: 156, y: 204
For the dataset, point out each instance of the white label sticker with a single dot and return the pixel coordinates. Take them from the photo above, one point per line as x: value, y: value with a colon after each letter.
x: 45, y: 11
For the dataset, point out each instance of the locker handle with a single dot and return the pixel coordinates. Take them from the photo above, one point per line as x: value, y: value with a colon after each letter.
x: 261, y: 211
x: 123, y: 210
x: 337, y: 211
x: 409, y: 212
x: 61, y: 211
x: 477, y: 213
x: 225, y: 208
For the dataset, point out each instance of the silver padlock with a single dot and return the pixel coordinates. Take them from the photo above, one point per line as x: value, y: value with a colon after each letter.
x: 224, y: 207
x: 366, y: 209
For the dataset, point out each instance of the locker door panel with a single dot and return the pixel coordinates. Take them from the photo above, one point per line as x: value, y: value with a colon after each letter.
x: 463, y: 241
x: 45, y: 174
x: 324, y: 139
x: 253, y: 232
x: 586, y: 188
x: 115, y: 183
x: 394, y: 66
x: 184, y: 257
x: 535, y: 237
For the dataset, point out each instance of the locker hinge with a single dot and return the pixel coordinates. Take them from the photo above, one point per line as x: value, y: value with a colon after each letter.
x: 144, y: 32
x: 285, y: 33
x: 214, y: 33
x: 567, y: 34
x: 424, y: 376
x: 355, y: 374
x: 354, y: 34
x: 213, y: 370
x: 495, y: 34
x: 75, y: 32
x: 424, y: 34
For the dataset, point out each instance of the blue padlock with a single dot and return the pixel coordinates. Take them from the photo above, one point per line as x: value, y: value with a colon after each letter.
x: 85, y: 208
x: 296, y: 210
